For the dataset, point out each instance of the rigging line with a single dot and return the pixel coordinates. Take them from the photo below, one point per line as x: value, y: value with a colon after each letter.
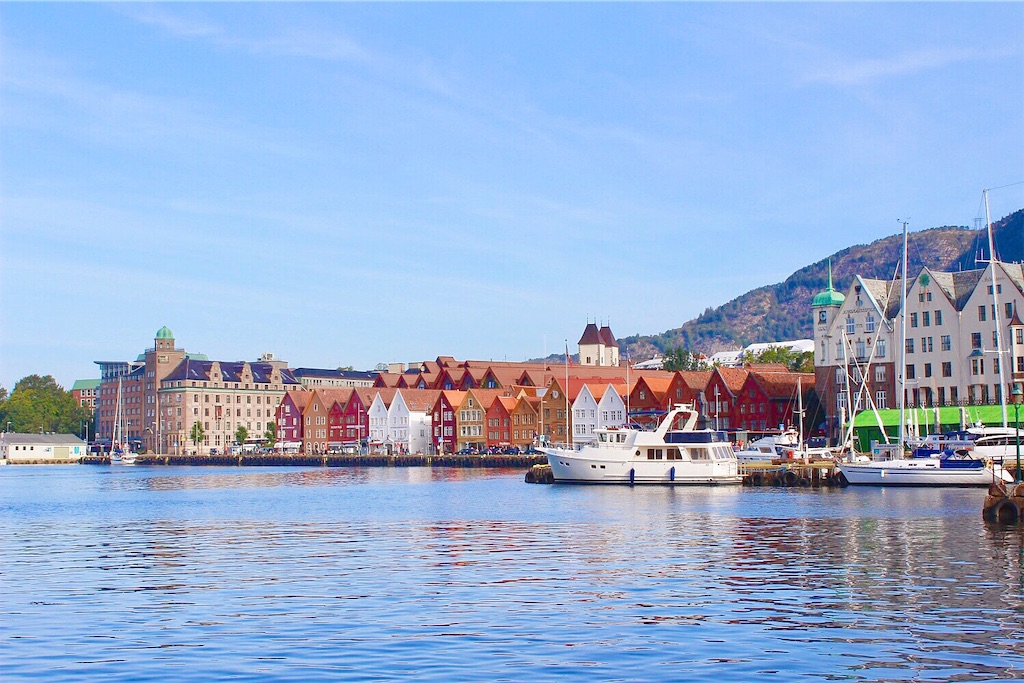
x: 1001, y: 187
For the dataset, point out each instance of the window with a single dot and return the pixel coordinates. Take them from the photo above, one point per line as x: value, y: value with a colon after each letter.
x: 851, y: 327
x: 913, y: 319
x: 945, y: 342
x: 910, y: 372
x: 975, y: 340
x: 880, y: 348
x: 927, y: 341
x: 1020, y: 335
x: 880, y: 400
x: 861, y: 350
x: 869, y: 323
x: 927, y: 369
x: 879, y: 373
x: 1020, y: 363
x: 981, y: 312
x: 938, y: 317
x: 1008, y: 307
x: 947, y: 369
x: 977, y: 366
x: 926, y: 319
x: 910, y: 345
x: 840, y: 352
x: 822, y: 316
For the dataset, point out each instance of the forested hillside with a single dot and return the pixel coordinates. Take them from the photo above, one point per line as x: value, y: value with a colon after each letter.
x: 782, y: 311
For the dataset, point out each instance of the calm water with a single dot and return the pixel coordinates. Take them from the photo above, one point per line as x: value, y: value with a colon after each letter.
x: 303, y: 574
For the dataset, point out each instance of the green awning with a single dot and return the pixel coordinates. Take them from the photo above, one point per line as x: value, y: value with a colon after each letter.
x: 989, y: 415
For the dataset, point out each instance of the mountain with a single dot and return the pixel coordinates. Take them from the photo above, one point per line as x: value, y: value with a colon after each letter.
x: 782, y: 311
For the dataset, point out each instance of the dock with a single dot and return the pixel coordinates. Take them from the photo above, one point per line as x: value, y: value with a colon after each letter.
x: 784, y: 473
x: 331, y: 460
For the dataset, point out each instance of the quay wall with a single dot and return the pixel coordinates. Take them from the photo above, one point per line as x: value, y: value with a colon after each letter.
x: 334, y: 460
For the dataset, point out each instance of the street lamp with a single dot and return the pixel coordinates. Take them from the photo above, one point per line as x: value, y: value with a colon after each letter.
x: 1017, y: 395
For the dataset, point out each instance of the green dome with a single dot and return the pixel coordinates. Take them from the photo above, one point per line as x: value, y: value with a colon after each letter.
x: 164, y: 333
x: 830, y: 297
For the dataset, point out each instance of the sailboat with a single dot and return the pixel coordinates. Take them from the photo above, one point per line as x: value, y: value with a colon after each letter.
x: 946, y: 468
x: 120, y: 451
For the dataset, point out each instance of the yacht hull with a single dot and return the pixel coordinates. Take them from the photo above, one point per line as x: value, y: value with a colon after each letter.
x: 579, y: 467
x: 911, y: 473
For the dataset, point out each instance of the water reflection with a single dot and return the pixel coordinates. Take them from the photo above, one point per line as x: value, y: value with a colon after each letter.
x: 343, y: 573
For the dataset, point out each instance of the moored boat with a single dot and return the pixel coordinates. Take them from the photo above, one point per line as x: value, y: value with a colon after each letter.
x: 783, y: 446
x: 949, y: 468
x: 675, y: 453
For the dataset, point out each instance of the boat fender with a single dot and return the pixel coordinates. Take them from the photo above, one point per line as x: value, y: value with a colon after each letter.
x: 791, y: 454
x: 632, y: 475
x: 789, y: 478
x: 672, y: 474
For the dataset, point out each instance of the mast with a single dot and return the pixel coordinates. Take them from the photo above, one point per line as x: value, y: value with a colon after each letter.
x: 995, y: 306
x: 901, y: 372
x: 800, y: 408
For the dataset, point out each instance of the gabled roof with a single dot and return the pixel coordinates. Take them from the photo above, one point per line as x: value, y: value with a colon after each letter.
x: 783, y: 385
x: 732, y: 378
x: 607, y: 338
x: 506, y: 402
x: 420, y: 400
x: 591, y: 335
x: 695, y: 379
x: 331, y: 395
x: 959, y: 286
x: 367, y: 395
x: 452, y: 396
x: 299, y: 398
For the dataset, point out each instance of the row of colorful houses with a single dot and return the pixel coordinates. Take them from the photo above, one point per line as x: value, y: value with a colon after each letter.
x: 559, y: 405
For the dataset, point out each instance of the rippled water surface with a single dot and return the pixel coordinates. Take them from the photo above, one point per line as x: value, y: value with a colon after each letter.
x: 303, y: 574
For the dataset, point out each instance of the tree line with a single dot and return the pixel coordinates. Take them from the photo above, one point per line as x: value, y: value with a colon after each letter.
x: 39, y: 405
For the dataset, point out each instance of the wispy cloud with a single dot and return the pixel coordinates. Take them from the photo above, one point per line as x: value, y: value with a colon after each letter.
x: 906, y: 64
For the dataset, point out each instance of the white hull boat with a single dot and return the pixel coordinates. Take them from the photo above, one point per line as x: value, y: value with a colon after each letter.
x: 667, y: 455
x: 951, y: 469
x: 784, y: 446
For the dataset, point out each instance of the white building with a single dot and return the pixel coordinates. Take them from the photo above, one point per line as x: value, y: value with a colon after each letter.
x: 611, y: 409
x: 380, y: 436
x: 26, y: 448
x: 961, y: 330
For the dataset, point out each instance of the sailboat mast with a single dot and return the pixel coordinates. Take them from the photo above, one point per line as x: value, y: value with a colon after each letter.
x: 901, y: 371
x: 995, y: 307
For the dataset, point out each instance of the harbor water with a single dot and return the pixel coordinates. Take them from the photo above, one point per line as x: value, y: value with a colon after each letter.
x: 206, y: 573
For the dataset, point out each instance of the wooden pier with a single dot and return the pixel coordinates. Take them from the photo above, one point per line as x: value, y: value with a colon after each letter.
x: 785, y: 473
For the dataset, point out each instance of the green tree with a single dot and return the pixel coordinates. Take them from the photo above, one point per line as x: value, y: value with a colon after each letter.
x: 39, y: 404
x: 782, y: 355
x: 197, y: 434
x: 679, y: 358
x: 241, y: 434
x: 270, y: 436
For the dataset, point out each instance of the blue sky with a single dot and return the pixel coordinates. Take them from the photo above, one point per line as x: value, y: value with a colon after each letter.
x: 349, y: 184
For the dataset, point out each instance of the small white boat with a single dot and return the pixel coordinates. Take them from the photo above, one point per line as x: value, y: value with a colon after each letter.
x: 674, y: 453
x: 783, y: 446
x: 950, y: 468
